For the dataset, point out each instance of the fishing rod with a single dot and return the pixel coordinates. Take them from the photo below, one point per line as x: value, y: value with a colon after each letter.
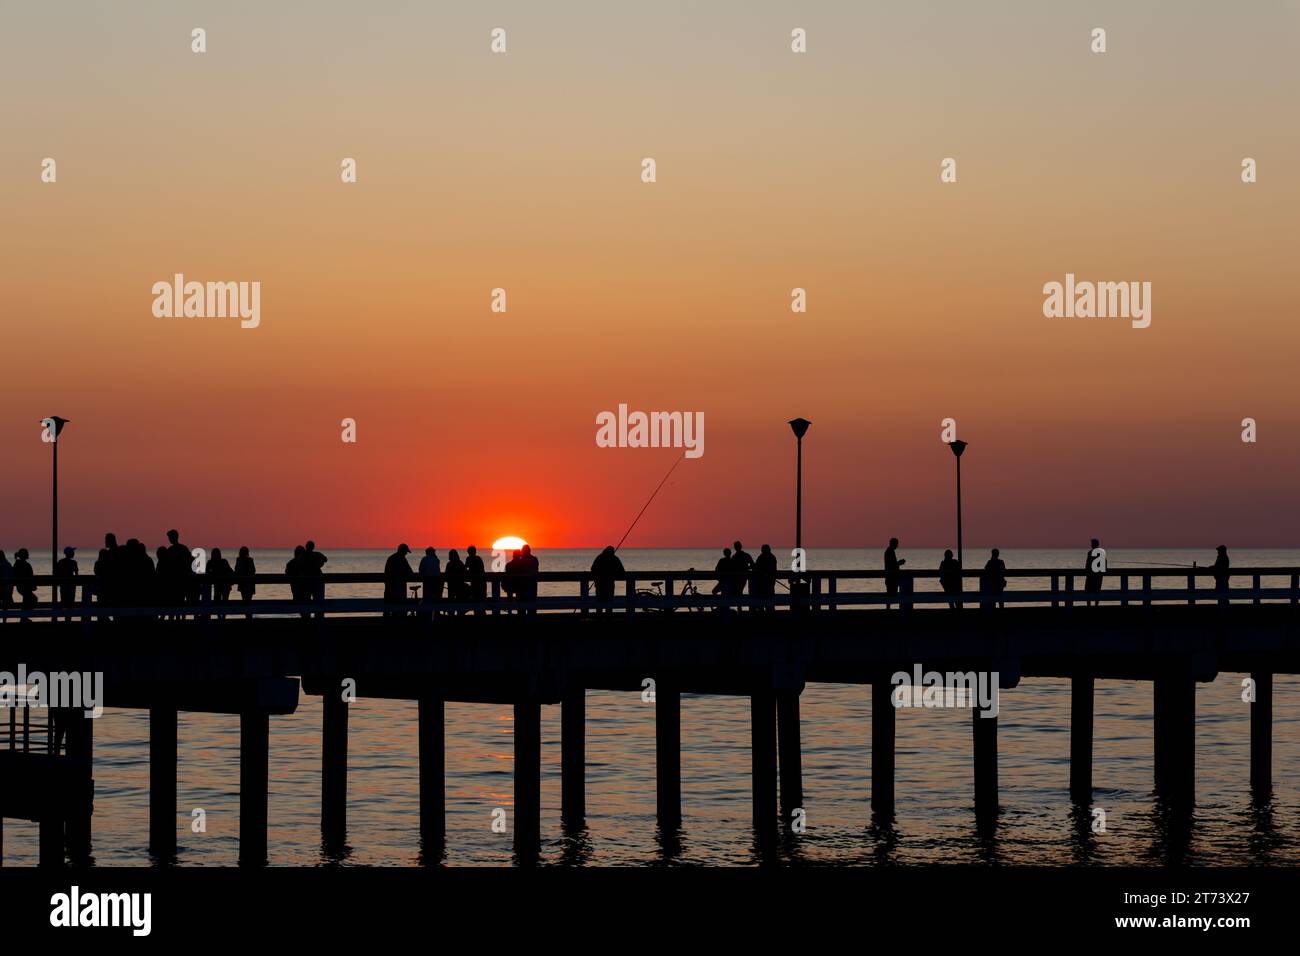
x: 647, y: 504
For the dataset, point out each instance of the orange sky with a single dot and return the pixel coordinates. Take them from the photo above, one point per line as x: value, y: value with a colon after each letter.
x: 775, y: 170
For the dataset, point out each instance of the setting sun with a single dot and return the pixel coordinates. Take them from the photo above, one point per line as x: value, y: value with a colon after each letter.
x: 508, y: 543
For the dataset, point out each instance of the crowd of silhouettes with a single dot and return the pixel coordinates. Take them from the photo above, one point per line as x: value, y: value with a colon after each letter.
x: 127, y: 577
x: 465, y: 581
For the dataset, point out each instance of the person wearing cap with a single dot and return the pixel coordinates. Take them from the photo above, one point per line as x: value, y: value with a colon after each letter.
x: 66, y: 569
x: 397, y: 571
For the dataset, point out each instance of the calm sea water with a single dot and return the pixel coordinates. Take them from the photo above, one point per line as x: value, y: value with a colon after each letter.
x: 934, y: 821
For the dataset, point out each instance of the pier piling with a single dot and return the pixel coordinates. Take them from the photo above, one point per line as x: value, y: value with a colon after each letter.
x: 1175, y: 734
x: 762, y: 706
x: 1081, y: 704
x: 882, y: 746
x: 986, y: 764
x: 668, y: 755
x: 791, y: 758
x: 162, y: 780
x: 334, y: 766
x: 573, y: 758
x: 254, y: 779
x: 433, y: 787
x: 1261, y: 734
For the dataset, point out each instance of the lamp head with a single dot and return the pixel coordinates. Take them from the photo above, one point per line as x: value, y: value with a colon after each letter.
x: 957, y: 447
x: 799, y: 426
x: 55, y: 424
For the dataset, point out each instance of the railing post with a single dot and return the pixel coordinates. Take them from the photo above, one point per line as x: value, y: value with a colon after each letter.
x: 1069, y: 590
x: 1191, y: 586
x: 585, y: 595
x: 1056, y: 589
x: 1146, y: 590
x: 1123, y: 590
x: 1256, y: 584
x: 669, y: 597
x: 905, y: 587
x: 831, y: 590
x: 1295, y: 589
x: 630, y: 588
x: 816, y: 592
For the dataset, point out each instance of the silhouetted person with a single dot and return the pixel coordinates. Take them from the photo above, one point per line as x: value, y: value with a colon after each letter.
x: 510, y: 584
x: 950, y: 576
x: 528, y: 568
x: 181, y: 568
x: 6, y: 583
x: 1221, y: 573
x: 134, y: 577
x: 893, y: 570
x: 244, y: 567
x: 300, y: 584
x: 456, y: 586
x: 23, y: 575
x: 723, y: 570
x: 741, y: 565
x: 1092, y: 578
x: 221, y: 576
x: 66, y: 567
x: 163, y: 583
x: 315, y: 569
x: 995, y: 576
x: 430, y: 571
x: 476, y: 577
x: 110, y: 570
x: 763, y: 582
x: 605, y: 570
x: 397, y: 571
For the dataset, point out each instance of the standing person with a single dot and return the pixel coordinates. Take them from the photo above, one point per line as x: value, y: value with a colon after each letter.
x: 995, y: 576
x: 741, y: 565
x: 605, y: 570
x: 300, y: 583
x: 221, y: 576
x: 245, y: 568
x: 1221, y: 573
x: 397, y: 571
x: 529, y: 567
x: 455, y: 580
x: 893, y: 570
x: 430, y: 571
x: 66, y: 568
x: 1094, y: 567
x: 109, y: 571
x: 6, y: 584
x: 476, y: 577
x: 950, y: 576
x: 23, y: 575
x: 511, y: 583
x: 723, y: 588
x: 316, y: 571
x: 763, y: 586
x: 183, y: 578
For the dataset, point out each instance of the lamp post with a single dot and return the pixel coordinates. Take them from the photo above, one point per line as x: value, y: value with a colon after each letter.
x: 800, y: 427
x: 957, y: 448
x: 54, y: 425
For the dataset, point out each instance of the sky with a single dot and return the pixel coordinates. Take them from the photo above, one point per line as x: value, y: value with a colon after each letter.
x: 775, y: 170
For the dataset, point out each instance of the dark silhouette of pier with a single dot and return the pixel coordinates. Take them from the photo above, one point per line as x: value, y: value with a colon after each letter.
x: 1036, y: 623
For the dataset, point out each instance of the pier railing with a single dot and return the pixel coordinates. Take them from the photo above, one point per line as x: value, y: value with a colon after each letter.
x: 647, y: 592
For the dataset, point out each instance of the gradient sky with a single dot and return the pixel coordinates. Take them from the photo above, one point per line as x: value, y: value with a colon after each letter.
x: 775, y: 170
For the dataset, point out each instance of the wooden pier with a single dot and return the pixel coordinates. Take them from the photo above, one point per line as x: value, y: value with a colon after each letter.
x: 257, y: 667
